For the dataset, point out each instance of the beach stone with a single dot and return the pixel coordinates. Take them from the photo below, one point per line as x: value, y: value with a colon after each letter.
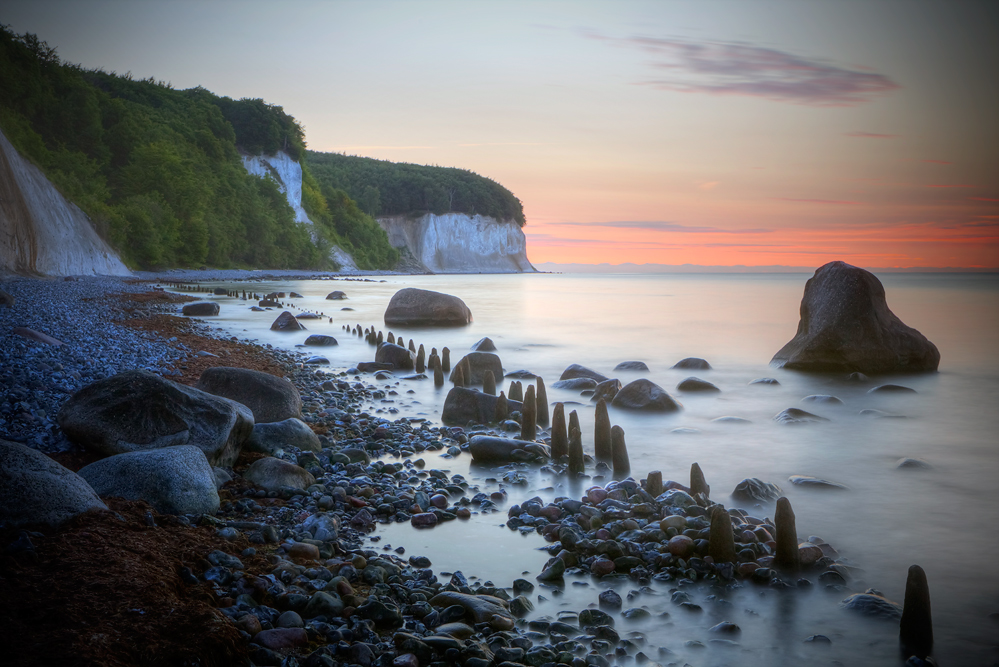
x: 872, y: 603
x: 398, y: 356
x: 317, y: 361
x: 632, y: 366
x: 272, y: 436
x: 695, y: 384
x: 34, y: 489
x: 489, y: 449
x: 268, y: 303
x: 138, y: 410
x: 602, y: 566
x: 480, y: 608
x: 289, y: 619
x: 606, y: 390
x: 891, y: 389
x: 484, y: 345
x: 577, y: 384
x: 278, y: 639
x: 681, y: 546
x: 794, y: 416
x: 200, y: 309
x: 336, y: 295
x: 912, y: 464
x: 479, y: 363
x: 308, y: 316
x: 419, y: 308
x: 822, y: 398
x: 222, y: 477
x: 645, y: 395
x: 816, y: 483
x: 577, y: 371
x: 609, y: 599
x: 6, y: 299
x: 423, y: 520
x: 463, y: 405
x: 287, y: 322
x: 765, y: 381
x: 270, y: 398
x: 174, y: 480
x: 808, y: 554
x: 692, y: 364
x: 271, y: 474
x: 846, y: 326
x: 753, y: 489
x: 321, y: 340
x: 553, y: 572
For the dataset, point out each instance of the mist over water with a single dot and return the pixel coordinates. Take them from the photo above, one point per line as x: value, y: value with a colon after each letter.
x: 944, y: 518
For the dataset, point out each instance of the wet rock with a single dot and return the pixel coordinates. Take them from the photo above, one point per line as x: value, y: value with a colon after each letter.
x: 480, y: 608
x: 489, y: 449
x: 912, y: 464
x: 484, y: 345
x: 553, y: 571
x: 609, y: 599
x: 174, y: 480
x: 794, y: 416
x: 772, y: 382
x: 269, y: 437
x: 278, y: 639
x: 385, y: 615
x: 200, y: 309
x: 602, y: 566
x: 398, y: 356
x: 270, y: 398
x: 726, y: 628
x: 287, y: 322
x: 654, y: 483
x: 816, y: 483
x: 413, y: 307
x: 423, y: 520
x: 606, y: 390
x: 619, y: 452
x: 695, y: 384
x: 579, y: 383
x: 786, y: 556
x: 698, y: 485
x: 463, y: 405
x: 320, y: 340
x: 577, y: 371
x: 632, y: 366
x: 336, y: 295
x: 34, y: 489
x: 139, y: 410
x: 692, y: 364
x: 646, y: 396
x: 595, y: 618
x: 681, y: 546
x: 752, y: 490
x: 323, y: 604
x: 846, y: 326
x: 476, y: 364
x: 272, y: 474
x: 873, y: 603
x: 858, y: 378
x: 824, y: 399
x: 891, y: 389
x: 808, y: 554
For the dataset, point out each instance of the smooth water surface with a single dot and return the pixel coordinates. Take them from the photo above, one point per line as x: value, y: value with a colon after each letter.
x: 944, y: 518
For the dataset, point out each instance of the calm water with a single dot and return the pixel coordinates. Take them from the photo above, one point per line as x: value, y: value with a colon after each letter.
x: 944, y: 519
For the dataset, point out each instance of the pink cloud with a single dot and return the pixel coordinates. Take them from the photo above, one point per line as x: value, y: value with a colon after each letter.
x: 960, y: 185
x: 870, y: 135
x: 816, y: 201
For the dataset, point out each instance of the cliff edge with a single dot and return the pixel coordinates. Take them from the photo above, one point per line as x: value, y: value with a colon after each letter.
x: 40, y: 231
x: 460, y: 243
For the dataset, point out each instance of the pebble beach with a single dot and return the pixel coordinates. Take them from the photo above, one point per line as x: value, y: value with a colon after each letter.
x: 290, y: 575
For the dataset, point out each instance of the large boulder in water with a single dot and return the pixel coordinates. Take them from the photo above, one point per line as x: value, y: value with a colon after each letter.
x: 34, y: 489
x: 395, y: 355
x: 411, y: 307
x: 287, y: 322
x: 577, y: 371
x: 174, y: 480
x: 479, y: 363
x: 645, y: 395
x: 469, y: 405
x: 270, y: 398
x: 487, y: 449
x: 846, y: 326
x: 138, y: 410
x: 201, y: 308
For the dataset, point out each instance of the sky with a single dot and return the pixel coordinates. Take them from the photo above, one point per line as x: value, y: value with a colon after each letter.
x: 671, y: 132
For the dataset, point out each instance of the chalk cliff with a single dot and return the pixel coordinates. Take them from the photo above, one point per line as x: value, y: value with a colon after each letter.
x: 40, y: 231
x: 460, y: 243
x: 287, y: 173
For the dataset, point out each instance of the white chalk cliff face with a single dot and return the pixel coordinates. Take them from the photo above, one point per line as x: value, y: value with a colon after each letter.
x: 40, y: 231
x: 287, y: 173
x: 460, y: 243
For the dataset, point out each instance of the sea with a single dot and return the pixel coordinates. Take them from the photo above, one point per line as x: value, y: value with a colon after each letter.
x: 943, y: 517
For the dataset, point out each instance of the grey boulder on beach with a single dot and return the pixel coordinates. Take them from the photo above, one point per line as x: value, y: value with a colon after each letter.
x: 424, y: 308
x: 138, y: 410
x: 846, y: 326
x: 270, y: 398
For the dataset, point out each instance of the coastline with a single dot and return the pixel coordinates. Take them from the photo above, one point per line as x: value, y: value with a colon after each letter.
x: 352, y: 565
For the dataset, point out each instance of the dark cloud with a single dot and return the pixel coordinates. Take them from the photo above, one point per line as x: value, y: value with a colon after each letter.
x: 663, y: 226
x: 739, y: 68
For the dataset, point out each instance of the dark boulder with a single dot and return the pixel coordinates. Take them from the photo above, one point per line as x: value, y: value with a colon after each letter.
x: 270, y: 398
x: 754, y: 490
x: 336, y: 295
x: 797, y: 416
x: 138, y: 410
x: 200, y: 309
x: 816, y: 483
x: 577, y: 371
x: 287, y: 322
x: 398, y: 356
x: 423, y: 308
x: 694, y: 384
x: 320, y: 340
x: 846, y: 326
x: 606, y: 390
x: 645, y: 395
x: 576, y: 383
x: 632, y: 366
x: 468, y: 405
x: 692, y: 364
x: 269, y: 303
x: 478, y: 363
x: 485, y: 345
x: 487, y: 449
